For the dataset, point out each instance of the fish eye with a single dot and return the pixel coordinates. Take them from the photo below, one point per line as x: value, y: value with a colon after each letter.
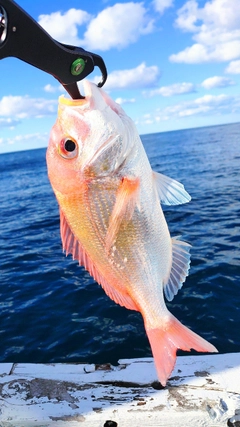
x: 69, y: 145
x: 68, y: 148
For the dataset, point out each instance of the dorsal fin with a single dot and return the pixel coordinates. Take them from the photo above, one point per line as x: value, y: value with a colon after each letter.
x: 72, y: 246
x: 179, y: 270
x: 170, y: 191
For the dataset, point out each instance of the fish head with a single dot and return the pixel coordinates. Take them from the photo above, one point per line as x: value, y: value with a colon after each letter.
x: 91, y: 139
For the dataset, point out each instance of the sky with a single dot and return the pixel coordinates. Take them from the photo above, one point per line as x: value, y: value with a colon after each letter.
x: 172, y: 64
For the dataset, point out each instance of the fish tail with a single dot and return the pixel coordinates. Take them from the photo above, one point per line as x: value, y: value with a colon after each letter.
x: 165, y: 342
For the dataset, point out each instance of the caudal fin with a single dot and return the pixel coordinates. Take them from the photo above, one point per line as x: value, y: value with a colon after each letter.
x: 165, y: 342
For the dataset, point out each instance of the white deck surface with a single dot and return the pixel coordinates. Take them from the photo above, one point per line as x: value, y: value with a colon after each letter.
x: 202, y: 391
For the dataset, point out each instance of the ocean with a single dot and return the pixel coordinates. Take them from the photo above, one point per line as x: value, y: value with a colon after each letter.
x: 51, y: 310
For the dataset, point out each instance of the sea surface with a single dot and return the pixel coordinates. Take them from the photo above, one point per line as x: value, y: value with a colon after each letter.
x: 51, y: 310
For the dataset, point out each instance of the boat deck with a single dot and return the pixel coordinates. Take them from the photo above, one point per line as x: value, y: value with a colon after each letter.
x: 203, y: 391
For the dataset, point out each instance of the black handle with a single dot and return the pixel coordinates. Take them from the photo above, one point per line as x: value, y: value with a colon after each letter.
x: 22, y: 37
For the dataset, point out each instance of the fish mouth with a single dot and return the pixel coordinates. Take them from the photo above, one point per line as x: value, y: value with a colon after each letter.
x: 95, y: 99
x: 91, y: 96
x: 72, y: 102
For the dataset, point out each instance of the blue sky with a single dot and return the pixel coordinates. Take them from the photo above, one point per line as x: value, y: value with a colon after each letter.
x: 172, y: 64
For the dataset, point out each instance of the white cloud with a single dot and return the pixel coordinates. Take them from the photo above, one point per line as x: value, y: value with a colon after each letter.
x: 174, y: 89
x: 64, y: 26
x: 216, y: 82
x: 215, y: 29
x: 139, y: 77
x: 36, y: 140
x: 22, y: 107
x: 213, y: 100
x: 198, y: 53
x: 117, y: 26
x: 53, y: 89
x: 27, y: 137
x: 8, y: 122
x: 187, y: 16
x: 122, y: 101
x: 215, y: 14
x: 161, y: 5
x: 233, y: 67
x: 207, y: 104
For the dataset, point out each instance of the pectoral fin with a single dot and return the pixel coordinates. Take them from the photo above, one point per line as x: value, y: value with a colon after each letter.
x: 170, y: 192
x: 126, y: 201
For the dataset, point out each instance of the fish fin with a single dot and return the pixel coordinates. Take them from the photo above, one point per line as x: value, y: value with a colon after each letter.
x: 69, y: 242
x: 170, y: 191
x: 126, y: 201
x: 167, y: 340
x: 179, y: 269
x: 72, y: 246
x: 122, y: 299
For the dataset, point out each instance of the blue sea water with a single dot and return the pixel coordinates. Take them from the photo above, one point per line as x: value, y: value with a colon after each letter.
x: 51, y: 310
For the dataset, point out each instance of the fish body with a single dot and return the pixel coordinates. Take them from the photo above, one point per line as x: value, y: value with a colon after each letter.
x: 112, y: 221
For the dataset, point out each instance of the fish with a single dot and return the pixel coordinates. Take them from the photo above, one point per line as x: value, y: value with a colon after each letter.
x: 111, y: 219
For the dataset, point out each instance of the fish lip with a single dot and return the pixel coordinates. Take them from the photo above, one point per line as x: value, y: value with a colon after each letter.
x: 92, y: 100
x: 95, y: 99
x: 82, y: 102
x: 72, y: 102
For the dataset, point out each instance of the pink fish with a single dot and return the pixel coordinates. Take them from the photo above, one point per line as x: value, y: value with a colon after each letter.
x: 112, y: 221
